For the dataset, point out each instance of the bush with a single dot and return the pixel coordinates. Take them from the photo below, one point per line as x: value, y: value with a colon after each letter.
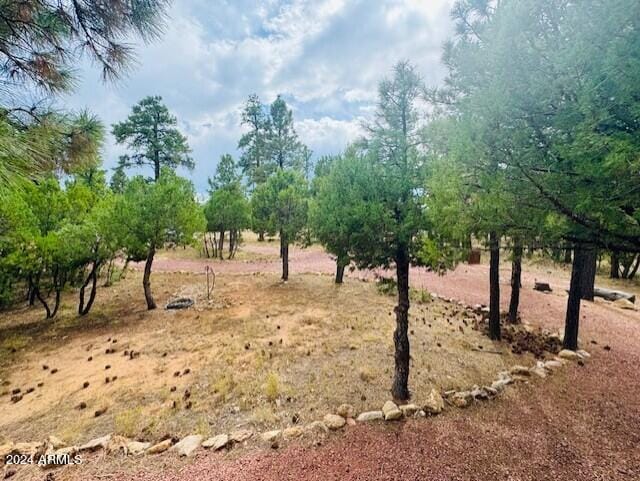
x: 272, y: 387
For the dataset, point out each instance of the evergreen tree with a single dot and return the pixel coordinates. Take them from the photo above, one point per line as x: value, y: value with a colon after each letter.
x: 151, y: 132
x: 253, y: 144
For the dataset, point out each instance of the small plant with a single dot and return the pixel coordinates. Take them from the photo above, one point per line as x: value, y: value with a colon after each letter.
x: 224, y: 385
x: 15, y: 342
x: 366, y: 375
x: 421, y: 295
x: 272, y: 387
x: 127, y: 422
x: 263, y: 416
x: 387, y: 286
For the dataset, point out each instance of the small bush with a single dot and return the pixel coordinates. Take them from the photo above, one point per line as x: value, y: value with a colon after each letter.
x: 366, y: 375
x: 272, y: 387
x: 224, y: 385
x: 263, y: 416
x: 127, y: 422
x: 15, y: 342
x: 387, y: 286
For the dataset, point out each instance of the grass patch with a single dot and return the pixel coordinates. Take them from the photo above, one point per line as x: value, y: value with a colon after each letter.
x: 128, y: 422
x: 272, y: 386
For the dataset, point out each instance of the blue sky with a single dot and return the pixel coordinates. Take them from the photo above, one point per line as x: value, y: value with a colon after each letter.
x: 324, y: 56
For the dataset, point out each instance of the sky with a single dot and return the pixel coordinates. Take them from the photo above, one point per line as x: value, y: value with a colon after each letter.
x: 325, y: 57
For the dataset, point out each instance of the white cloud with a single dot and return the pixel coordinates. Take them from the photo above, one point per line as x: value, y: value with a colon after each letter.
x: 325, y: 56
x: 327, y: 135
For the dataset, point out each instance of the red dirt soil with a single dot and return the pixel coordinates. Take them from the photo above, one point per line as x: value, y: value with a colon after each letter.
x: 582, y: 424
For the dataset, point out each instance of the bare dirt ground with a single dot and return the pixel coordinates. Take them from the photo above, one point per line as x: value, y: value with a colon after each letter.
x: 582, y: 424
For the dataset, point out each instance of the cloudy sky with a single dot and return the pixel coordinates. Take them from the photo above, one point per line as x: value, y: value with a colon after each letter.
x: 324, y: 56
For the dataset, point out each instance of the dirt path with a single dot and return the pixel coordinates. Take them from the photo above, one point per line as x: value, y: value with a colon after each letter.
x: 583, y: 424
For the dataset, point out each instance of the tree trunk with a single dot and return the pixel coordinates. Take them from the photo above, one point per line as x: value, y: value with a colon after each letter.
x: 615, y: 265
x: 567, y: 256
x: 206, y: 245
x: 57, y: 301
x: 261, y: 236
x: 589, y: 258
x: 43, y: 302
x: 146, y: 278
x: 232, y: 243
x: 93, y: 278
x: 31, y: 296
x: 494, y: 287
x: 340, y: 265
x: 221, y: 245
x: 634, y: 270
x: 400, y: 387
x: 284, y: 250
x: 516, y: 281
x: 572, y: 319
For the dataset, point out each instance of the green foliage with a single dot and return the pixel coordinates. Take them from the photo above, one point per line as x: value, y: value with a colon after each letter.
x: 150, y: 132
x: 150, y: 214
x: 55, y: 142
x: 253, y: 144
x: 282, y: 204
x: 118, y: 180
x: 42, y: 42
x: 272, y: 142
x: 551, y: 91
x: 226, y: 173
x: 340, y: 215
x: 227, y: 210
x: 391, y: 176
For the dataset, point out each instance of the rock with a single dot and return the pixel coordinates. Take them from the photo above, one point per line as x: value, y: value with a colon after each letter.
x: 462, y: 399
x: 95, y: 444
x: 5, y: 449
x: 583, y: 353
x: 370, y: 416
x: 519, y: 371
x: 569, y: 355
x: 55, y: 442
x: 318, y: 427
x: 434, y: 403
x: 118, y: 444
x: 292, y: 432
x: 625, y: 304
x: 216, y: 442
x: 186, y: 446
x: 551, y: 365
x: 160, y: 447
x: 346, y: 411
x: 351, y: 422
x: 333, y: 421
x: 27, y: 448
x: 136, y: 448
x: 409, y: 410
x: 391, y: 411
x: 271, y: 436
x: 541, y: 372
x: 240, y: 436
x: 479, y: 393
x: 492, y: 392
x: 500, y: 384
x: 70, y: 450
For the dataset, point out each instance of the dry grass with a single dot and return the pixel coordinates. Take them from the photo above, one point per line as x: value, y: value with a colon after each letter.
x: 260, y: 353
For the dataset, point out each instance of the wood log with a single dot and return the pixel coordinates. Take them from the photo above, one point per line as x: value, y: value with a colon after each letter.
x: 611, y: 295
x: 542, y: 286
